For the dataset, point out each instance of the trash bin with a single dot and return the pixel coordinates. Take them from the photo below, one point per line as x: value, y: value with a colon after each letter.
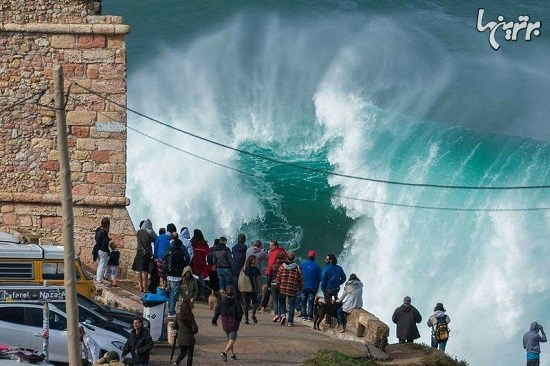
x: 153, y: 310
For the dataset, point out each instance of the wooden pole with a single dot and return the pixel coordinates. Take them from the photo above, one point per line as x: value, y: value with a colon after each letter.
x: 73, y: 334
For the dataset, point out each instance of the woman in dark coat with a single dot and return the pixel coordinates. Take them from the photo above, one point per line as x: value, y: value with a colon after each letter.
x: 406, y: 316
x: 231, y: 312
x: 187, y: 327
x: 144, y: 253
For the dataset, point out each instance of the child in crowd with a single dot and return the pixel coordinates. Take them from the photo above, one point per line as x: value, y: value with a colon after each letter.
x: 113, y: 263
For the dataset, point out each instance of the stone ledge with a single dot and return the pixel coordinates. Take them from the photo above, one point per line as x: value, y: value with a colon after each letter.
x: 55, y: 199
x: 361, y: 323
x: 53, y: 28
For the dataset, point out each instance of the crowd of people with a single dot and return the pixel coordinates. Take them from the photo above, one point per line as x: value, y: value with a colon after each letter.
x: 181, y: 264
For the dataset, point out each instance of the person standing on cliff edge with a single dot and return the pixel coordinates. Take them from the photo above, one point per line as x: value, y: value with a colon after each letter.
x: 531, y: 343
x: 406, y: 316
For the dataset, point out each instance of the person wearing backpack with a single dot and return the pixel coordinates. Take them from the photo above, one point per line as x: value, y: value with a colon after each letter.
x: 440, y: 329
x: 174, y: 263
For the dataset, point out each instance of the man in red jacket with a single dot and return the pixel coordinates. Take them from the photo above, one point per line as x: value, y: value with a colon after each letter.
x: 274, y: 248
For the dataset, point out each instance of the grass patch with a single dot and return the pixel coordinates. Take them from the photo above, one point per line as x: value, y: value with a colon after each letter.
x: 434, y: 357
x: 334, y: 358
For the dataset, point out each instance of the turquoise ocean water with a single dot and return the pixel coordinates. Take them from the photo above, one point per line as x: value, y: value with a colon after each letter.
x: 407, y: 92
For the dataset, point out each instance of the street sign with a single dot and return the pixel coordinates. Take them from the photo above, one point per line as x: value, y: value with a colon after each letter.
x: 35, y: 294
x: 110, y: 127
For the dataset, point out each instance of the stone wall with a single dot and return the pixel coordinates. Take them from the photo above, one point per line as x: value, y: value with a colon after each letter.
x: 35, y: 36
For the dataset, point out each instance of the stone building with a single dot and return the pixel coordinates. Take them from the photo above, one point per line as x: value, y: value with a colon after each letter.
x: 35, y: 36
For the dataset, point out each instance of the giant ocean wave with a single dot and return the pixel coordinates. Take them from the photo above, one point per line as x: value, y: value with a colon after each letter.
x: 402, y: 94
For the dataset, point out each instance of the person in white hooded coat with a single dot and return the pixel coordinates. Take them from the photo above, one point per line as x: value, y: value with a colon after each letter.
x: 353, y: 299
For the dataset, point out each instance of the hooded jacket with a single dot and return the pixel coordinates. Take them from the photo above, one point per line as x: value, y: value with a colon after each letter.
x: 312, y: 273
x: 406, y: 316
x: 186, y: 239
x: 289, y: 279
x: 147, y: 225
x: 188, y: 287
x: 145, y: 236
x: 353, y: 295
x: 532, y: 339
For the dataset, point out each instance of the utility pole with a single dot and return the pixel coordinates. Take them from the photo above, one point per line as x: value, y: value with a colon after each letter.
x: 73, y: 333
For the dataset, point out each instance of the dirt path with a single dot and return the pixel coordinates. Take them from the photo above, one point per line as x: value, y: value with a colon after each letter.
x: 264, y: 343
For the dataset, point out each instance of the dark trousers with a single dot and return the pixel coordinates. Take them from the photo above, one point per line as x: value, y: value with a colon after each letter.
x: 214, y: 283
x: 265, y: 298
x: 186, y: 350
x: 406, y: 340
x: 328, y: 294
x: 250, y: 297
x: 535, y: 362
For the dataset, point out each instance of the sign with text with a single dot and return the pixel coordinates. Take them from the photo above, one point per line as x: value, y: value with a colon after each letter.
x: 110, y: 127
x: 39, y: 294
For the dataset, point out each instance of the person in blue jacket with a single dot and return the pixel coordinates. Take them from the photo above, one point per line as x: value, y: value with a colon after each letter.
x: 312, y: 278
x: 332, y: 277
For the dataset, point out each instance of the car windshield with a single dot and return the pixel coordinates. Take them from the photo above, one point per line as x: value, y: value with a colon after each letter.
x: 83, y: 313
x: 87, y: 303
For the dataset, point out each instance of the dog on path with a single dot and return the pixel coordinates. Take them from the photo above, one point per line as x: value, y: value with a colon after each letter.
x: 213, y: 300
x: 320, y: 310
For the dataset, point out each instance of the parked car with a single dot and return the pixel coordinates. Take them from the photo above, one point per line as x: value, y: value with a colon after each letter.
x: 114, y: 313
x: 21, y: 326
x: 90, y: 317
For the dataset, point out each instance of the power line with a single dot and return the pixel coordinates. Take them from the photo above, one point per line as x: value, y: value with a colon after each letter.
x: 190, y: 153
x: 445, y: 208
x: 310, y: 168
x: 355, y: 198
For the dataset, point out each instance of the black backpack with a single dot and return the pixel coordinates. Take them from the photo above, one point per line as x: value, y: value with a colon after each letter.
x: 167, y: 260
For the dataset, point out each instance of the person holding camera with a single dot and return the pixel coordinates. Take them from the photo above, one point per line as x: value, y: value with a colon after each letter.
x: 531, y: 343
